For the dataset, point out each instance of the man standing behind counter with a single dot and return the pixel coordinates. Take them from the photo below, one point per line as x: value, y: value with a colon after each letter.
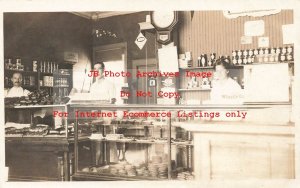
x: 103, y: 88
x: 21, y: 115
x: 17, y: 90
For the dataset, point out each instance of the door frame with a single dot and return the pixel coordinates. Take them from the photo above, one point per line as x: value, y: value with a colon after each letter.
x: 109, y: 47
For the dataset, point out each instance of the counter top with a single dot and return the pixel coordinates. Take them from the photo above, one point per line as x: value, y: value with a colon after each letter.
x: 238, y: 128
x: 91, y: 104
x: 37, y: 106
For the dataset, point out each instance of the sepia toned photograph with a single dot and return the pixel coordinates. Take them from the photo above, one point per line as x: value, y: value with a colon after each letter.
x: 182, y: 96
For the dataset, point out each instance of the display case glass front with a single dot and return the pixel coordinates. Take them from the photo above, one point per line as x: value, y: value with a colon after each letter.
x: 135, y: 142
x: 130, y: 143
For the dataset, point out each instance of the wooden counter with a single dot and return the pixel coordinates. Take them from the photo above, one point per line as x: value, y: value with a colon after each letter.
x: 38, y: 159
x: 243, y: 151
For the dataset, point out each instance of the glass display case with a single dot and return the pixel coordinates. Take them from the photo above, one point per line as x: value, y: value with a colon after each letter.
x: 130, y: 142
x: 176, y: 142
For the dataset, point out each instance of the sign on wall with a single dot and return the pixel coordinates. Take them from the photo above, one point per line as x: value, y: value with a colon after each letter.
x: 71, y: 57
x: 254, y: 28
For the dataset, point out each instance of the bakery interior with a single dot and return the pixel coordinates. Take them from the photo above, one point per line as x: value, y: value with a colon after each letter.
x: 55, y: 51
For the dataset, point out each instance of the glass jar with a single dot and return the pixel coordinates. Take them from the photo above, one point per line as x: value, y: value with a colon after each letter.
x: 282, y: 57
x: 278, y: 50
x: 245, y: 60
x: 250, y: 52
x: 266, y: 51
x: 284, y: 50
x: 290, y: 49
x: 239, y: 53
x: 249, y: 59
x: 273, y: 51
x: 18, y: 63
x: 240, y: 61
x: 234, y: 53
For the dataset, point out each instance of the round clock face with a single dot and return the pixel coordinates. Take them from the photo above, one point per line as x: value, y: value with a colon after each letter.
x: 163, y: 19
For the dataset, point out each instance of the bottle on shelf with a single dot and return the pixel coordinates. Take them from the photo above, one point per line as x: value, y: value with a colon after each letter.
x: 18, y: 64
x: 282, y: 57
x: 250, y: 52
x: 290, y: 57
x: 51, y: 67
x: 54, y: 67
x: 284, y: 50
x: 278, y: 50
x: 10, y: 65
x: 48, y: 67
x: 34, y: 66
x: 273, y: 51
x: 203, y: 60
x: 44, y: 70
x: 41, y: 67
x: 212, y: 60
x: 290, y: 49
x: 266, y: 51
x: 234, y: 60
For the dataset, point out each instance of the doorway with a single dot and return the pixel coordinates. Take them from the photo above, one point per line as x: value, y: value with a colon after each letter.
x: 114, y: 57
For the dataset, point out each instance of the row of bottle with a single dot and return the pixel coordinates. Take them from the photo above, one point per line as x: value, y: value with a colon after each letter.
x: 57, y: 82
x: 280, y: 54
x: 61, y: 82
x: 9, y: 65
x: 206, y: 83
x: 263, y: 51
x: 45, y: 67
x: 204, y: 61
x: 47, y: 81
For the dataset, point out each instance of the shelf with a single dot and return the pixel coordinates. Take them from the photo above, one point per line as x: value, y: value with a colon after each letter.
x: 144, y: 142
x: 47, y: 86
x: 266, y: 63
x: 59, y: 74
x: 196, y: 89
x: 41, y: 106
x: 46, y: 73
x: 24, y: 86
x: 237, y: 66
x: 93, y: 176
x: 131, y: 141
x: 20, y: 71
x: 61, y: 86
x: 191, y: 68
x: 55, y: 86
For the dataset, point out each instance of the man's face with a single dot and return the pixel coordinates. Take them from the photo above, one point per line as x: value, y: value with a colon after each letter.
x: 100, y: 69
x: 17, y: 80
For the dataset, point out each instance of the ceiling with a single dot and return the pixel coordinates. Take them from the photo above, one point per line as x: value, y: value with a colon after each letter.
x: 104, y: 14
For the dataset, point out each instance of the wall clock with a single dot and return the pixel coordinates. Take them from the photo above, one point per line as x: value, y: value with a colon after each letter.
x: 164, y: 21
